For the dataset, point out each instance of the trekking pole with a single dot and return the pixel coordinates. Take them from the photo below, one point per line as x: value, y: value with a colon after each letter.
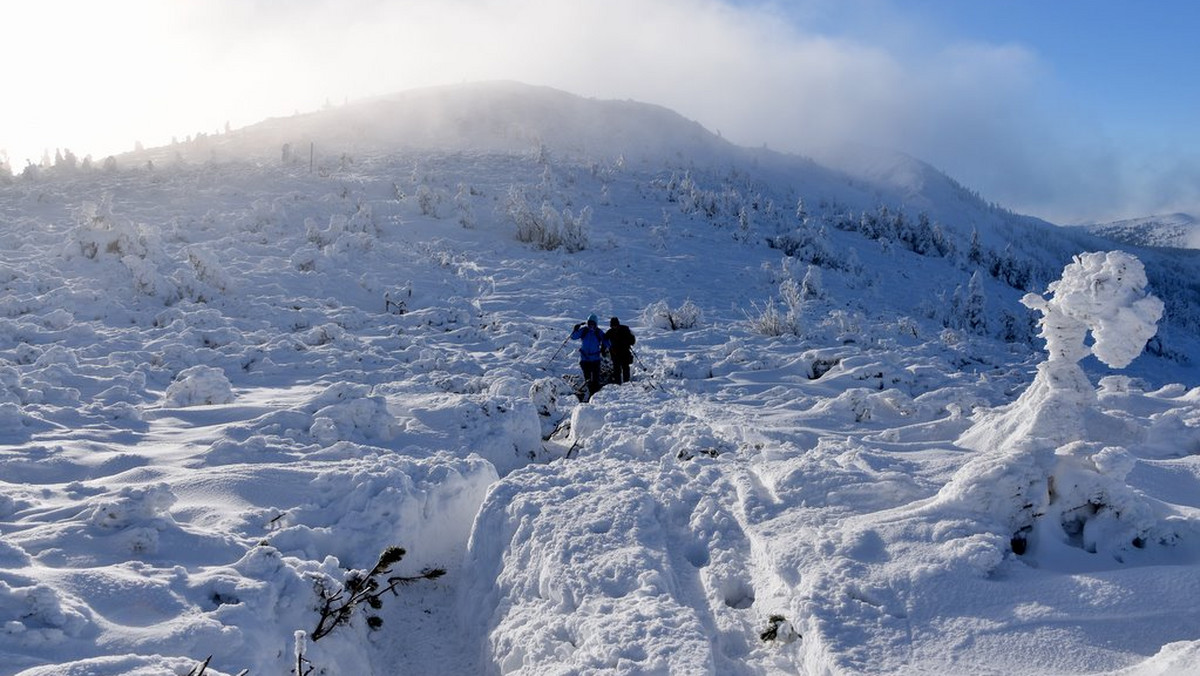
x: 560, y: 347
x: 572, y: 449
x: 642, y: 366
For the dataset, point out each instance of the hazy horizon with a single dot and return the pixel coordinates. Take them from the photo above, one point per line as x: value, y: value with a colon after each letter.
x: 998, y: 99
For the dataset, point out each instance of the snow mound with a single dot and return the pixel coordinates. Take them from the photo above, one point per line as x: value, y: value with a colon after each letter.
x: 199, y: 386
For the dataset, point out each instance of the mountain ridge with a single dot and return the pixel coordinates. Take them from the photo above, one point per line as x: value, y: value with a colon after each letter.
x: 509, y: 116
x: 1174, y: 230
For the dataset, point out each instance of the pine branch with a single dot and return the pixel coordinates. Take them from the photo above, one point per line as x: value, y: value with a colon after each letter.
x: 337, y: 608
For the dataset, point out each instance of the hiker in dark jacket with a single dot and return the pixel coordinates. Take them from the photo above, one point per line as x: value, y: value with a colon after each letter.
x: 594, y: 344
x: 622, y: 340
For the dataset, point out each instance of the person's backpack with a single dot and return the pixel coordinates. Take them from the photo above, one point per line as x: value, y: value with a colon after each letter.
x: 591, y: 342
x: 621, y: 339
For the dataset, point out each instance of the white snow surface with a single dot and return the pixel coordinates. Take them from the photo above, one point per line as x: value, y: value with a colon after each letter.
x: 225, y: 384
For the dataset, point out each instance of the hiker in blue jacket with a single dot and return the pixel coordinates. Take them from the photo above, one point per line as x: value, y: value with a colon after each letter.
x: 593, y: 346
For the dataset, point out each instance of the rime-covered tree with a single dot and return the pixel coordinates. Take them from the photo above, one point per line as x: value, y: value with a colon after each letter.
x: 462, y: 204
x: 811, y: 286
x: 975, y: 249
x: 1046, y: 474
x: 941, y: 242
x: 975, y: 306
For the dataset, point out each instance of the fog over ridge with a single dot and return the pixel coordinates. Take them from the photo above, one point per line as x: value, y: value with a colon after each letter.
x: 991, y: 115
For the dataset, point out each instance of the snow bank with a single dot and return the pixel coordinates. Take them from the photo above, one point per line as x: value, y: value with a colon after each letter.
x: 424, y: 505
x: 570, y: 577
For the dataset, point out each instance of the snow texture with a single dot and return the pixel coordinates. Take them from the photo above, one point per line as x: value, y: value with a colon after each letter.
x: 228, y: 383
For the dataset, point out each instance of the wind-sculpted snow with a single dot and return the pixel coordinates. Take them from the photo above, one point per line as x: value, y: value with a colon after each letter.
x: 1104, y: 293
x: 226, y: 389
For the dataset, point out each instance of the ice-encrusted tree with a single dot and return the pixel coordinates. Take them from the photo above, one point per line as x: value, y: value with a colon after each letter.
x: 812, y: 287
x: 975, y: 306
x: 1047, y: 466
x: 1101, y: 294
x: 1104, y: 293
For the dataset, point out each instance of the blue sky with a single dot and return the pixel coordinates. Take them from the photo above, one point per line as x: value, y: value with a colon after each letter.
x: 1064, y: 109
x: 1116, y: 55
x: 1109, y: 112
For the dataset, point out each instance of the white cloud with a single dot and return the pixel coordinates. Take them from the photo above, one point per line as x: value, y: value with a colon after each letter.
x: 141, y: 69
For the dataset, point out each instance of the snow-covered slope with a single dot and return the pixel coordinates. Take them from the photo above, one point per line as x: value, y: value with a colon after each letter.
x: 228, y: 382
x: 513, y: 118
x: 1177, y: 230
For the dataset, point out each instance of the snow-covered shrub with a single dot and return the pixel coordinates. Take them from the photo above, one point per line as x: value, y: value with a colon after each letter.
x: 134, y: 505
x: 1096, y: 509
x: 38, y: 615
x: 772, y: 322
x: 462, y: 205
x: 660, y: 314
x: 323, y: 335
x: 691, y: 367
x: 208, y: 269
x: 362, y: 220
x: 148, y: 280
x: 846, y: 324
x: 283, y: 597
x: 58, y: 355
x: 305, y: 258
x: 812, y: 288
x: 967, y: 310
x: 99, y: 234
x: 198, y: 386
x: 349, y: 412
x: 808, y: 244
x: 264, y: 213
x: 545, y: 394
x: 546, y: 227
x: 428, y: 201
x: 575, y: 229
x: 363, y: 588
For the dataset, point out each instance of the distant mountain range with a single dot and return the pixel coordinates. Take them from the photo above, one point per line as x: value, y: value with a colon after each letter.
x: 1176, y: 231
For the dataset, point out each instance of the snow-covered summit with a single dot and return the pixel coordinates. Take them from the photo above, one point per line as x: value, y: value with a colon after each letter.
x: 486, y: 116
